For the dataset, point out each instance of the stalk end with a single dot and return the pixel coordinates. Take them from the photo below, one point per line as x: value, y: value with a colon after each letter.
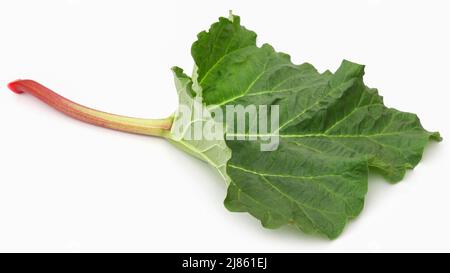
x: 14, y: 86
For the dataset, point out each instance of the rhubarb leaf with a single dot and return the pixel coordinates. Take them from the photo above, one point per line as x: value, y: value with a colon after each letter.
x: 327, y: 130
x: 333, y: 130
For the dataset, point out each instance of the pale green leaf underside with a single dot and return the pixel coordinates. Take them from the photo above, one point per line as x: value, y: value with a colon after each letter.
x: 215, y: 152
x: 333, y: 130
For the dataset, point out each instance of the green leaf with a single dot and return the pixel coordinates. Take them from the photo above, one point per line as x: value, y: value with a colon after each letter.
x: 333, y: 131
x: 224, y: 37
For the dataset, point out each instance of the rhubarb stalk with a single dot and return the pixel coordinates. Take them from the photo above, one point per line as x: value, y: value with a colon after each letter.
x: 152, y: 127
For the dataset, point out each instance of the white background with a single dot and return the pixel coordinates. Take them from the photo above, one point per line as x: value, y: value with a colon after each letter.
x: 68, y: 186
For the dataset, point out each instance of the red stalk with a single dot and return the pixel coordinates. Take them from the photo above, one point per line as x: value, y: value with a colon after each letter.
x: 152, y: 127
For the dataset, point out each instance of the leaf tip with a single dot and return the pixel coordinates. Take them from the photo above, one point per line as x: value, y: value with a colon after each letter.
x: 232, y: 17
x: 177, y: 70
x: 436, y: 136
